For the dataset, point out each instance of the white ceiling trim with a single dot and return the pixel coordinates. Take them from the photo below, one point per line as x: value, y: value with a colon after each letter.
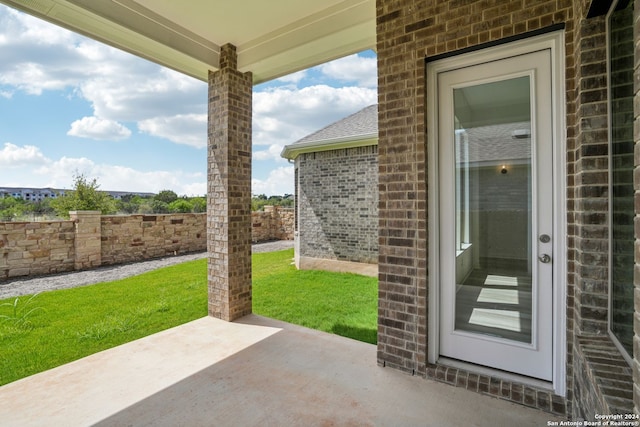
x: 315, y: 52
x: 303, y: 31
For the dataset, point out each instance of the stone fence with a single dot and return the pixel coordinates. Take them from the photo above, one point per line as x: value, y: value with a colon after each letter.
x: 275, y: 223
x: 90, y: 240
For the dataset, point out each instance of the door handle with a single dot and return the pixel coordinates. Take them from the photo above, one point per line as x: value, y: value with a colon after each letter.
x: 544, y: 258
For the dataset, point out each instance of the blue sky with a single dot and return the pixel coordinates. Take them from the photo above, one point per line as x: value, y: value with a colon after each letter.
x: 69, y: 104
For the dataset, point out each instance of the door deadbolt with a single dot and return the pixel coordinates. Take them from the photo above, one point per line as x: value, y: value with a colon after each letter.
x: 544, y: 258
x: 544, y: 238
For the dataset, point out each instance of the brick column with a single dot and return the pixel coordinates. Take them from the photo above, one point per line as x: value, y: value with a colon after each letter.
x: 88, y: 239
x: 229, y: 189
x: 402, y: 207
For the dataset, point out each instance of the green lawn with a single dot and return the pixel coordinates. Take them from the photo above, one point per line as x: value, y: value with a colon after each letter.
x: 341, y: 303
x: 57, y: 327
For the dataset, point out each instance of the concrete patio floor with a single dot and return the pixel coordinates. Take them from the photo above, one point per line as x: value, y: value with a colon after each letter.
x: 252, y: 372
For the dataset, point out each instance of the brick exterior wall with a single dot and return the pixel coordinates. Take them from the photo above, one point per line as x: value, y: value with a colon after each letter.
x: 337, y: 199
x: 229, y: 189
x: 410, y: 31
x: 602, y: 379
x: 588, y: 214
x: 636, y: 184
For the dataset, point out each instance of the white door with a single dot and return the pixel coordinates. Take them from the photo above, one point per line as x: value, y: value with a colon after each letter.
x: 495, y: 131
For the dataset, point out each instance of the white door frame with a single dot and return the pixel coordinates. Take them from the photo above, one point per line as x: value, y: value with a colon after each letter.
x: 555, y: 42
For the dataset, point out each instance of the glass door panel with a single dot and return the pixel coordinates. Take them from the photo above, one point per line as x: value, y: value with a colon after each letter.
x: 493, y: 193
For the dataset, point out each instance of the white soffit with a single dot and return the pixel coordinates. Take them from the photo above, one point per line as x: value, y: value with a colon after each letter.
x: 273, y: 38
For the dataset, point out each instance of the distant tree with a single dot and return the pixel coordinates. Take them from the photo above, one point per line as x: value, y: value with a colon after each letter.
x: 158, y: 206
x: 127, y: 207
x: 181, y: 206
x: 40, y: 208
x: 257, y: 204
x: 260, y: 201
x: 128, y: 198
x: 84, y: 196
x: 145, y: 207
x: 199, y: 204
x: 287, y: 201
x: 11, y: 208
x: 153, y: 206
x: 166, y: 196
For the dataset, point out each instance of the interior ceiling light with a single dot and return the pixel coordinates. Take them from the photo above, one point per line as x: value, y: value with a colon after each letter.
x: 521, y: 134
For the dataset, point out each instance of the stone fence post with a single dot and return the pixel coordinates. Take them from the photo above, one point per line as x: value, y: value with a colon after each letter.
x: 88, y: 239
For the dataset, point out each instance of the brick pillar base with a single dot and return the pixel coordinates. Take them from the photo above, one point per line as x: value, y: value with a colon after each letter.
x: 229, y: 189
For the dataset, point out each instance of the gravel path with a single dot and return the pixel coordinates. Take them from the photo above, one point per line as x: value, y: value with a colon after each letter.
x: 27, y: 286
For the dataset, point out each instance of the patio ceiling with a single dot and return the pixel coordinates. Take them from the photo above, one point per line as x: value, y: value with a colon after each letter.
x: 273, y: 38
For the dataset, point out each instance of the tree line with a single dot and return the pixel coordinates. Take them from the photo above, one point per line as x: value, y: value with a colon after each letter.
x: 86, y: 195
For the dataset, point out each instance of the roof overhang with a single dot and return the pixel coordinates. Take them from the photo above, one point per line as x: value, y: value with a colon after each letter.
x: 272, y: 38
x: 292, y: 151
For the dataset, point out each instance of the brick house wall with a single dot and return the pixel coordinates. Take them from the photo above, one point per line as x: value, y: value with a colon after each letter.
x: 337, y: 202
x: 410, y: 31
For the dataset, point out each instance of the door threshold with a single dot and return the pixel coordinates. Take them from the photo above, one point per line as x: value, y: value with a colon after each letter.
x: 497, y: 373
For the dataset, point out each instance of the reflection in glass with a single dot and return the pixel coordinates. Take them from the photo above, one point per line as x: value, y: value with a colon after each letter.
x: 493, y: 209
x: 622, y: 161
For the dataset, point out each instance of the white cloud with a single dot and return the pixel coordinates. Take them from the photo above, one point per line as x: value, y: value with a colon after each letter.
x: 279, y: 182
x: 353, y: 68
x: 271, y: 153
x: 13, y: 156
x: 282, y: 116
x: 101, y: 129
x: 187, y: 129
x: 59, y: 173
x: 33, y: 29
x: 36, y: 56
x: 144, y: 91
x: 23, y: 38
x: 293, y: 77
x: 198, y: 188
x: 28, y: 166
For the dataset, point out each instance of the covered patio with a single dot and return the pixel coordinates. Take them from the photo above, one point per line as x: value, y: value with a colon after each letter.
x: 260, y: 371
x: 255, y: 371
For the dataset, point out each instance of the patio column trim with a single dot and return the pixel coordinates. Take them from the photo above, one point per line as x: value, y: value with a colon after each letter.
x: 229, y: 189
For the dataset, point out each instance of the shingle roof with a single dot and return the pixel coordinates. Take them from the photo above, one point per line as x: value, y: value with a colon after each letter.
x: 357, y: 130
x: 363, y: 122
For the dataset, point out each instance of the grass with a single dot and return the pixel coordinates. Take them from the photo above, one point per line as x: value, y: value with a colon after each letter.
x: 52, y: 328
x: 74, y: 323
x: 340, y: 303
